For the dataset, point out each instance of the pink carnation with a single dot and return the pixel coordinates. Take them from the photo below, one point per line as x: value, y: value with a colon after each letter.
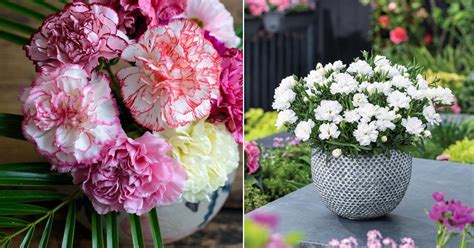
x: 213, y: 17
x: 131, y: 20
x: 133, y: 176
x: 70, y: 116
x: 281, y: 5
x: 79, y: 34
x: 161, y: 11
x: 176, y: 76
x: 257, y: 7
x: 253, y: 156
x: 398, y: 35
x: 228, y: 107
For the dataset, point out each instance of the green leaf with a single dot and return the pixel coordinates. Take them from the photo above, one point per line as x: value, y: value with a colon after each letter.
x: 136, y: 230
x: 18, y: 196
x: 27, y: 239
x: 10, y: 124
x: 20, y: 209
x: 5, y: 244
x: 2, y: 235
x: 16, y: 26
x: 112, y: 231
x: 12, y: 222
x: 68, y: 237
x: 12, y: 178
x: 155, y: 228
x: 22, y: 10
x: 97, y: 235
x: 46, y: 232
x: 27, y: 167
x: 46, y: 5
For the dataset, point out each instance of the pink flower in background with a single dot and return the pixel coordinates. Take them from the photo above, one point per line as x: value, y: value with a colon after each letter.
x: 161, y: 11
x: 176, y: 74
x: 131, y: 20
x: 277, y: 241
x: 79, y: 34
x: 228, y: 107
x: 392, y: 6
x: 374, y: 240
x: 133, y: 176
x: 265, y: 219
x: 253, y: 156
x: 281, y: 5
x: 455, y: 108
x: 451, y: 214
x: 70, y: 116
x: 257, y: 7
x: 212, y: 16
x: 384, y: 21
x: 350, y: 242
x: 443, y: 157
x: 427, y: 39
x: 398, y: 35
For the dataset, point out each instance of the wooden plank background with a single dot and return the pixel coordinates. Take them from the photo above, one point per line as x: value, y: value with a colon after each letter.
x: 16, y: 70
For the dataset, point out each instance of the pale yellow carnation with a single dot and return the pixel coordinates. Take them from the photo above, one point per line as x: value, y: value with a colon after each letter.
x: 208, y: 153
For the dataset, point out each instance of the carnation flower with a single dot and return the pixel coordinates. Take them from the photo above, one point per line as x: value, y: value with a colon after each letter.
x: 329, y: 111
x: 214, y: 17
x: 415, y: 93
x: 70, y: 116
x: 413, y: 125
x: 359, y: 99
x: 336, y: 66
x: 398, y: 99
x: 367, y: 111
x: 253, y: 156
x: 303, y: 130
x: 344, y: 84
x: 228, y: 108
x: 161, y: 11
x: 430, y: 115
x: 360, y: 67
x: 284, y: 95
x: 398, y: 35
x: 176, y: 74
x: 131, y: 20
x: 281, y: 5
x: 328, y: 131
x: 351, y: 116
x: 401, y: 82
x: 133, y: 176
x: 366, y: 133
x: 208, y: 153
x: 79, y: 34
x: 384, y: 21
x: 441, y: 95
x: 286, y: 116
x: 257, y: 7
x: 314, y: 77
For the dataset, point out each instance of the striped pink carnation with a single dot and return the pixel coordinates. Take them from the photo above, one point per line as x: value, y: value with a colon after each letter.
x: 79, y: 34
x: 133, y: 176
x: 176, y: 74
x: 70, y: 115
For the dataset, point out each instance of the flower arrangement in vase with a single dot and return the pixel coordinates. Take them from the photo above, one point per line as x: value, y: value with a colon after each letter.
x: 358, y: 118
x: 163, y: 130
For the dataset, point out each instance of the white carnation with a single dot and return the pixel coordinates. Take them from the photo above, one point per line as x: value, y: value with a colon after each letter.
x: 360, y: 67
x: 441, y: 95
x: 351, y: 116
x: 385, y: 87
x: 367, y: 111
x: 413, y: 126
x: 328, y: 130
x: 421, y: 82
x: 344, y: 84
x: 314, y: 77
x: 329, y: 111
x: 430, y: 115
x: 401, y: 82
x: 283, y: 99
x: 398, y: 99
x: 303, y: 130
x: 359, y: 99
x: 363, y: 86
x: 385, y: 118
x: 288, y: 82
x: 366, y: 133
x: 286, y: 116
x: 415, y: 93
x: 336, y: 66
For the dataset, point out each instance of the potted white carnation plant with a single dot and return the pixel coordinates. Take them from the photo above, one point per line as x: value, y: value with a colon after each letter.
x: 359, y: 118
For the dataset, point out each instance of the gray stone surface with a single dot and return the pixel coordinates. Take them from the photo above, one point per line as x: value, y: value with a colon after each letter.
x: 302, y: 210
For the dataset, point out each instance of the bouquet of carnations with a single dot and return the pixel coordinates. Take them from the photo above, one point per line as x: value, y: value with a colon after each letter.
x: 164, y: 128
x: 371, y: 106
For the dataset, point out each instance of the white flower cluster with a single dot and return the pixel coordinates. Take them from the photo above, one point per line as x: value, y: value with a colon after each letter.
x: 366, y: 101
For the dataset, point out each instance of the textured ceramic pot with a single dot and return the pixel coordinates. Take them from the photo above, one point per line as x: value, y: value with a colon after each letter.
x: 363, y: 188
x: 181, y: 219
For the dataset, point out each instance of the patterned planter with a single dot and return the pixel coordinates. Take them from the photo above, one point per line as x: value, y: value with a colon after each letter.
x: 180, y: 219
x: 363, y: 188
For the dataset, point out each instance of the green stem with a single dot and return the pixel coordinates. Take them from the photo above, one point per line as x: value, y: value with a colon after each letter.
x: 51, y: 212
x: 463, y: 242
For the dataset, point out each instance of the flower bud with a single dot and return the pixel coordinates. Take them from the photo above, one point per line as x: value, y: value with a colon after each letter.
x: 336, y: 153
x: 384, y: 139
